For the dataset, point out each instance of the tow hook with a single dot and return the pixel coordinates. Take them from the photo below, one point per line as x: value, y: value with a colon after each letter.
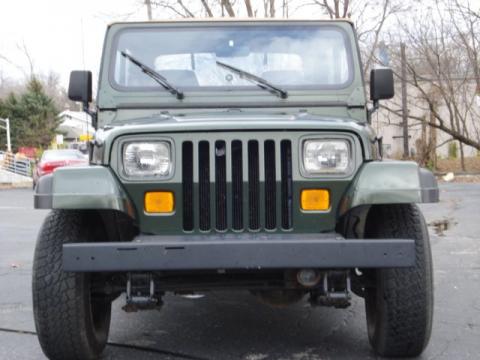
x: 336, y: 290
x: 141, y: 293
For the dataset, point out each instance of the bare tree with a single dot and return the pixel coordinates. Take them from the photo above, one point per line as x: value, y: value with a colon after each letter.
x: 207, y: 8
x: 463, y: 14
x: 286, y: 4
x: 443, y: 68
x: 53, y: 88
x: 220, y: 8
x: 336, y: 9
x: 148, y: 4
x: 369, y: 17
x: 21, y: 47
x: 271, y: 5
x: 14, y: 64
x: 24, y: 49
x: 248, y: 6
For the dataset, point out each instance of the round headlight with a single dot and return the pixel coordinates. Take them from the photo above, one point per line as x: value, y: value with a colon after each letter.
x: 147, y: 159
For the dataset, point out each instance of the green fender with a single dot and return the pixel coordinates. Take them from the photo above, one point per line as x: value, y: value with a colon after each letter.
x: 96, y: 187
x: 86, y: 187
x: 390, y: 182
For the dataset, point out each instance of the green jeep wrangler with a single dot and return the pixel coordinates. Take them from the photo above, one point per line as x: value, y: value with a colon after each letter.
x: 233, y: 155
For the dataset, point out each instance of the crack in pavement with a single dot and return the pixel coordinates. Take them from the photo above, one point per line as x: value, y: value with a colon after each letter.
x: 119, y: 345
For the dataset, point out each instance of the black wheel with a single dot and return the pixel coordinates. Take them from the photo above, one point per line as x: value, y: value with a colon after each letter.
x: 72, y: 321
x: 399, y: 305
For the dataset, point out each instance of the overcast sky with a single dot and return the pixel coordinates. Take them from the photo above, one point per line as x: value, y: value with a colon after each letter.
x: 52, y: 32
x: 65, y: 35
x: 62, y: 35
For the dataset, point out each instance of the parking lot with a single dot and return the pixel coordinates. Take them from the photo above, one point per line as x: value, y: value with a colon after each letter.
x: 233, y: 325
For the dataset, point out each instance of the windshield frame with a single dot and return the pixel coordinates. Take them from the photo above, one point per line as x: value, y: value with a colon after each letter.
x: 229, y: 89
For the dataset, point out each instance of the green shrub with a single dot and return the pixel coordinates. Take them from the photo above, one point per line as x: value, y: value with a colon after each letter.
x: 430, y: 165
x: 452, y: 150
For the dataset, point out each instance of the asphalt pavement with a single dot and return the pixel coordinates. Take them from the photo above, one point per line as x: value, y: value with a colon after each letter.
x: 234, y: 325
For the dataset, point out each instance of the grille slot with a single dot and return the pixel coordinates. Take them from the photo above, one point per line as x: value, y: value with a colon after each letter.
x: 237, y: 185
x: 204, y: 185
x: 287, y: 184
x: 253, y: 185
x: 187, y: 183
x: 221, y: 185
x: 241, y: 185
x: 270, y: 184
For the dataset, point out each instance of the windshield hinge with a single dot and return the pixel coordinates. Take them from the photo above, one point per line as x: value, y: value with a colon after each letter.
x: 356, y: 99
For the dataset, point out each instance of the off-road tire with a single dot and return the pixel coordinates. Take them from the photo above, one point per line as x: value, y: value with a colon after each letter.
x: 399, y: 306
x: 71, y: 323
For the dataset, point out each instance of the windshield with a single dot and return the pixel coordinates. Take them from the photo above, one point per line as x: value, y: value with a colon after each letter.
x: 290, y: 56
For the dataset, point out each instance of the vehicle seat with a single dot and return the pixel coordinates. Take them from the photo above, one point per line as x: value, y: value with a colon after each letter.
x: 284, y: 77
x: 180, y: 77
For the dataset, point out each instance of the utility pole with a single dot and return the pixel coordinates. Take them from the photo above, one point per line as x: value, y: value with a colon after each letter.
x: 7, y: 128
x: 406, y: 151
x: 149, y: 9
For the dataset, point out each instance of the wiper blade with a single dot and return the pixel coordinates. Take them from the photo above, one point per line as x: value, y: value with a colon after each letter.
x: 262, y: 83
x: 155, y: 76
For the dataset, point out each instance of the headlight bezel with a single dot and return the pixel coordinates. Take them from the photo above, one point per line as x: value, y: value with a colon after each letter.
x: 147, y: 140
x: 326, y: 138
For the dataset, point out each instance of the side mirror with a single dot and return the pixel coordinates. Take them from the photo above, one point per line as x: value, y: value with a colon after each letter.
x: 80, y: 87
x: 381, y: 84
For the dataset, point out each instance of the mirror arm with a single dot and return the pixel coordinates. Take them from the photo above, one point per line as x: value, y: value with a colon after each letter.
x: 371, y: 110
x: 93, y: 114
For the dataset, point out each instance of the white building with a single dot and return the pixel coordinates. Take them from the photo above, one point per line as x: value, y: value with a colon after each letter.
x: 75, y: 124
x: 390, y: 127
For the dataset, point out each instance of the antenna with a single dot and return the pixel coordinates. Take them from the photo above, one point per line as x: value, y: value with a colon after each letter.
x: 84, y: 68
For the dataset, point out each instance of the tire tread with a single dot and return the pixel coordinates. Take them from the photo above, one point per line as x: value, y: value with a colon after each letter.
x: 60, y: 317
x: 405, y: 314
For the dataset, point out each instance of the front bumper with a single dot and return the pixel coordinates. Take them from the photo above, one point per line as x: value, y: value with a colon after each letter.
x: 238, y: 251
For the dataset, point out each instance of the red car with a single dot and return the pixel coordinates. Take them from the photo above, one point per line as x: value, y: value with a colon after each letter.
x: 52, y: 159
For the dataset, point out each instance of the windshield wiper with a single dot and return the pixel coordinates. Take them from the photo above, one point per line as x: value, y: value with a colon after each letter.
x: 262, y: 83
x: 155, y: 76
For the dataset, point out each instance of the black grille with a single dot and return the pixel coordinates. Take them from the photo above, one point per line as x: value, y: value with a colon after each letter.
x: 253, y: 185
x: 287, y: 185
x: 187, y: 183
x: 247, y: 189
x: 221, y: 185
x: 270, y: 184
x: 237, y: 185
x: 204, y: 185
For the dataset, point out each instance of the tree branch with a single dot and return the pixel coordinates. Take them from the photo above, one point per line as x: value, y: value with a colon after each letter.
x: 378, y: 29
x: 455, y: 134
x: 248, y: 6
x: 187, y: 11
x: 207, y: 8
x: 228, y: 7
x: 346, y: 3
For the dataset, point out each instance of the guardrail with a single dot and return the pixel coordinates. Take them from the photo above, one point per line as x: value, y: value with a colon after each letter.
x: 11, y: 163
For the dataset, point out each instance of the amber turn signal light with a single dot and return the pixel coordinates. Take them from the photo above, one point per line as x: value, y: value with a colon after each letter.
x: 315, y: 200
x: 159, y: 202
